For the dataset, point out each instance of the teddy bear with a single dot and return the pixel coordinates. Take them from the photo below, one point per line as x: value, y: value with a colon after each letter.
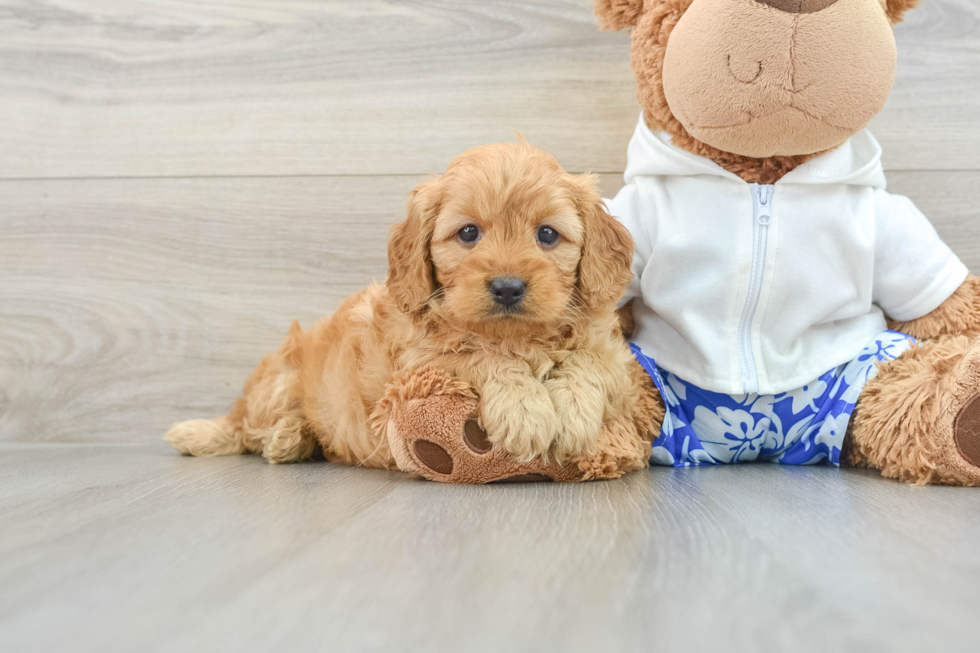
x: 784, y: 305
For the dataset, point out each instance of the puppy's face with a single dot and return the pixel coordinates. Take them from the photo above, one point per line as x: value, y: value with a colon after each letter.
x: 508, y: 241
x: 506, y: 248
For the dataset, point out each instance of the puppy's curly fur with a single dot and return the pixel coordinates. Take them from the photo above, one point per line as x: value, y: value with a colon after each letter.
x: 550, y: 371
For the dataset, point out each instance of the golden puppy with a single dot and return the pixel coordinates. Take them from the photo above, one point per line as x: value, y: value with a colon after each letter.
x: 506, y: 275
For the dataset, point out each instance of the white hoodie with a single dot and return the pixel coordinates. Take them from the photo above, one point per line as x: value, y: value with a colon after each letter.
x: 743, y: 288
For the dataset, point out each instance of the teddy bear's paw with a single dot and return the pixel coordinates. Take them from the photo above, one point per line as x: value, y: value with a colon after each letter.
x: 464, y: 454
x: 440, y: 438
x: 470, y: 457
x: 433, y: 429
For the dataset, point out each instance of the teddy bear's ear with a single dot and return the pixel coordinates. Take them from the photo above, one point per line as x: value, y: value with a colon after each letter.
x: 896, y: 9
x: 620, y: 14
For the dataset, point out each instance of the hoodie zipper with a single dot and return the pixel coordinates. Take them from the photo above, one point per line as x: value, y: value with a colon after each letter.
x: 761, y: 219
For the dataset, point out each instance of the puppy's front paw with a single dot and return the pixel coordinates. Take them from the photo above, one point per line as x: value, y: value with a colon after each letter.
x: 520, y: 418
x: 580, y: 411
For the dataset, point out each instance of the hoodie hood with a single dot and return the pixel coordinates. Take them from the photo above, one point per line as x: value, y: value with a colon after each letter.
x: 856, y: 162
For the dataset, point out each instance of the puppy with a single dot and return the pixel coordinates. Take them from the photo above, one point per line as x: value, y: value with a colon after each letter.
x: 506, y: 275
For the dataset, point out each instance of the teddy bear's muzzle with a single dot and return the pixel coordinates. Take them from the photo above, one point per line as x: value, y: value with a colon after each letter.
x: 763, y: 78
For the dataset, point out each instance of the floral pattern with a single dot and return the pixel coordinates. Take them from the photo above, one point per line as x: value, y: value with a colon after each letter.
x: 800, y: 427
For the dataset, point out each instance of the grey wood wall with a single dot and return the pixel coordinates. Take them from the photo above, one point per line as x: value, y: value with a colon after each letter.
x: 179, y: 180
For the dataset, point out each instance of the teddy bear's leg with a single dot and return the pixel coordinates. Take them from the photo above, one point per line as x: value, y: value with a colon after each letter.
x: 919, y: 420
x: 430, y: 420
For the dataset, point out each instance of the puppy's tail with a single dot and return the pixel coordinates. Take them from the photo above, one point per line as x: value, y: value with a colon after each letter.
x: 206, y: 437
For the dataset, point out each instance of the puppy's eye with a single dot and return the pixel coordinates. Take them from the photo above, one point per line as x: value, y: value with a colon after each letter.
x: 468, y: 234
x: 547, y: 236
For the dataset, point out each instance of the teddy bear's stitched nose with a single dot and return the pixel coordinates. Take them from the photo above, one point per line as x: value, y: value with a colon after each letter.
x: 798, y: 6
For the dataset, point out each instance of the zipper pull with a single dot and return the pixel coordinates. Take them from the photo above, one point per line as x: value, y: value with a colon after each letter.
x: 765, y: 211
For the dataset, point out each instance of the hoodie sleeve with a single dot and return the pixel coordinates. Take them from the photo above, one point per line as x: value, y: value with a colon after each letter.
x: 914, y: 270
x: 627, y: 207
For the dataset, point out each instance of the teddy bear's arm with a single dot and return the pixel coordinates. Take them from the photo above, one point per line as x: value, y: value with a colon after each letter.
x: 959, y: 314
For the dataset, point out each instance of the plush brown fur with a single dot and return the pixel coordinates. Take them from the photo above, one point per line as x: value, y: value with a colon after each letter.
x: 896, y: 9
x: 618, y: 14
x: 555, y: 380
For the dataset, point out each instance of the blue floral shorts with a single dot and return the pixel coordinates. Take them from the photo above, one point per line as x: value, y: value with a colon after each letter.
x: 801, y: 427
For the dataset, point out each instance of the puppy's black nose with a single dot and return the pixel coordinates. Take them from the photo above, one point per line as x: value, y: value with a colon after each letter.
x: 508, y: 291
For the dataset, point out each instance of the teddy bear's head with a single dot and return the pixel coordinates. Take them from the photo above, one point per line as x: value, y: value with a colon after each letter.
x: 759, y: 86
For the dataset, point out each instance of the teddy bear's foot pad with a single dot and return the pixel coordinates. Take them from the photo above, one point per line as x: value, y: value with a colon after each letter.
x: 966, y: 431
x: 476, y: 438
x: 434, y: 457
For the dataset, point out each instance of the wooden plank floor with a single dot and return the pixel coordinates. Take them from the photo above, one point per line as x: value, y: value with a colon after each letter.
x: 129, y: 547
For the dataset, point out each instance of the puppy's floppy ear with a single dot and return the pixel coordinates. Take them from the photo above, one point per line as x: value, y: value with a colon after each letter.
x: 607, y: 248
x: 896, y: 9
x: 411, y: 279
x: 618, y: 14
